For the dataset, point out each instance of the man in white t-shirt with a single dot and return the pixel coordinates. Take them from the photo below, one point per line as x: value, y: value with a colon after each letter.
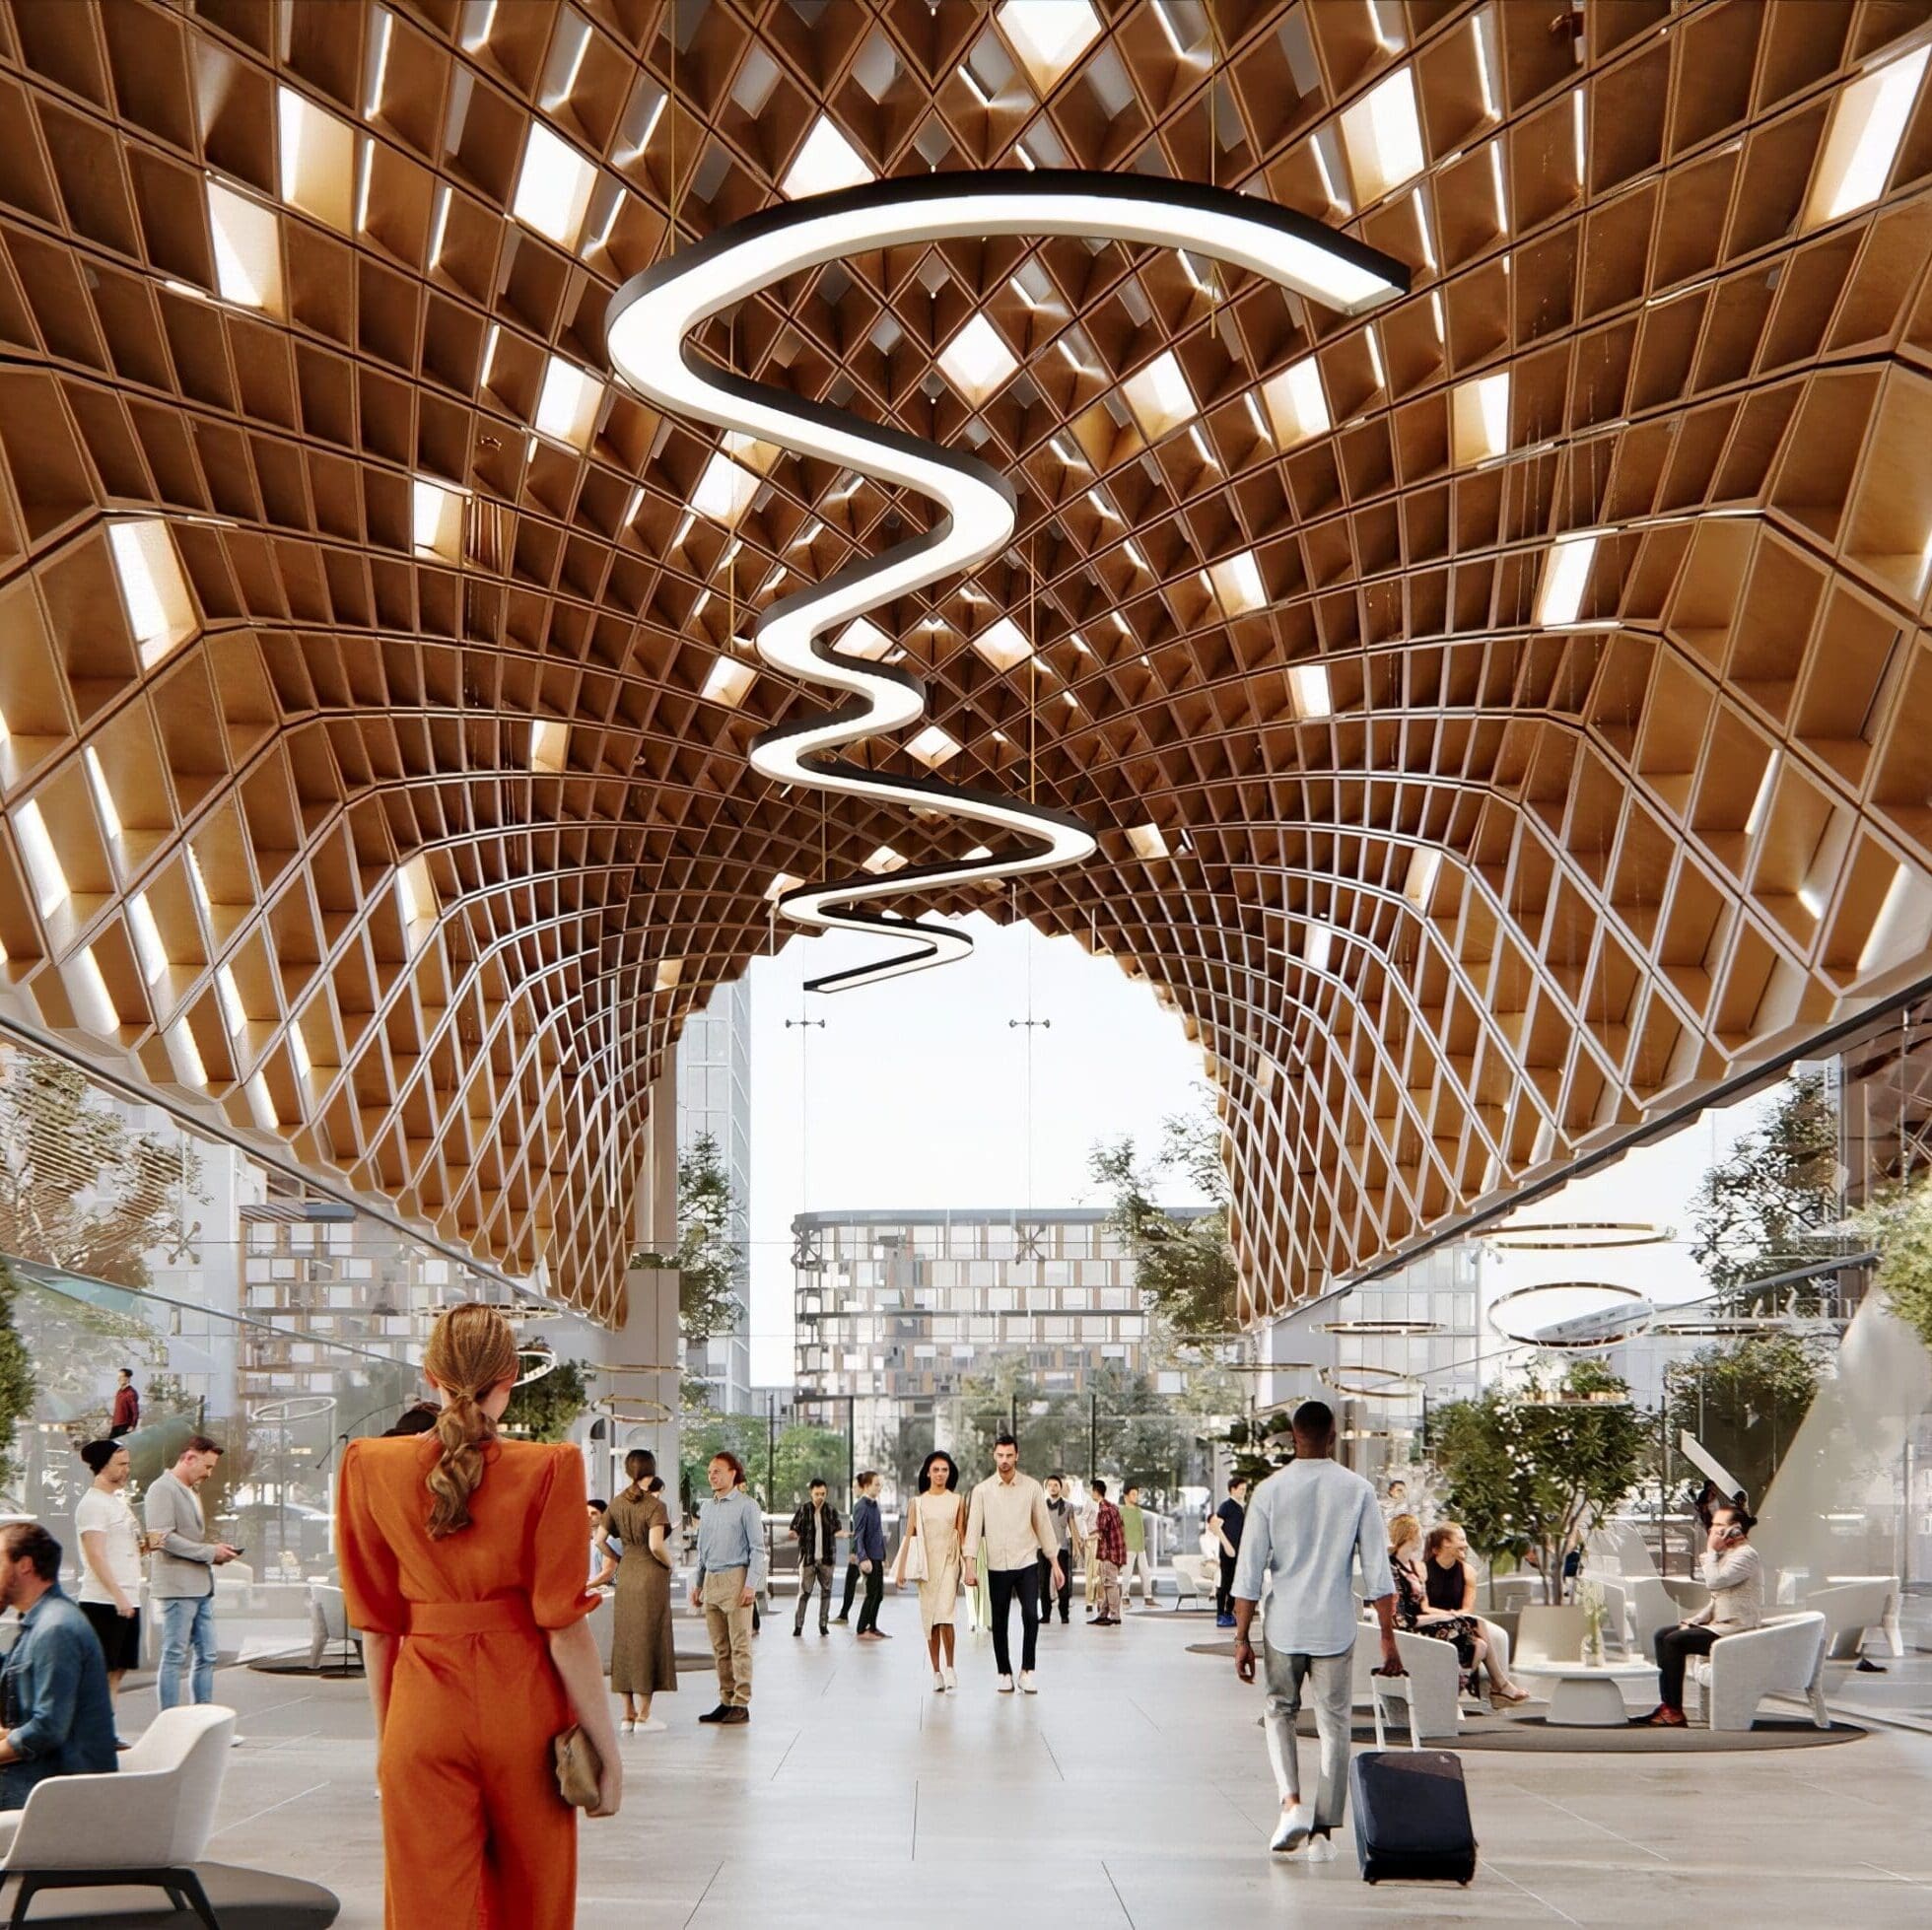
x: 110, y: 1560
x: 1308, y: 1525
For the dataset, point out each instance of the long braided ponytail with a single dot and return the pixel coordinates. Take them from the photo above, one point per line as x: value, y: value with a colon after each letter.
x: 471, y: 1350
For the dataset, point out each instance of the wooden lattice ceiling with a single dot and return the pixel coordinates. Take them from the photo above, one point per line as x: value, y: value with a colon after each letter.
x: 374, y: 755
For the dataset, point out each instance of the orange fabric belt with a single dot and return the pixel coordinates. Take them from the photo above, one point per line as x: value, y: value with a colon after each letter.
x: 508, y: 1615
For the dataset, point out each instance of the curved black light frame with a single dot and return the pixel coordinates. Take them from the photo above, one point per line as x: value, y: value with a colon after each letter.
x: 653, y: 316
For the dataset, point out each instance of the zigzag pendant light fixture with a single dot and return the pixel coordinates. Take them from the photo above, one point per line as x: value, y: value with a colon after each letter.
x: 652, y: 318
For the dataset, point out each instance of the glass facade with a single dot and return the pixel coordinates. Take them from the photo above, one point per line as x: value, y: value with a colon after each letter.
x: 714, y: 1097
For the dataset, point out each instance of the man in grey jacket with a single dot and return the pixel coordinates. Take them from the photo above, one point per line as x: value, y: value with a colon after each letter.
x: 183, y: 1585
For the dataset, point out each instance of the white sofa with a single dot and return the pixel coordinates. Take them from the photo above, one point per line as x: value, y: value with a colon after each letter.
x: 145, y: 1825
x: 1785, y: 1657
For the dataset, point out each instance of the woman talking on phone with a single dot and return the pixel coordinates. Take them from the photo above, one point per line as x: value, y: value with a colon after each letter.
x: 463, y: 1563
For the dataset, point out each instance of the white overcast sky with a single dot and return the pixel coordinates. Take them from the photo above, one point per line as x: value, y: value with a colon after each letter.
x: 915, y: 1094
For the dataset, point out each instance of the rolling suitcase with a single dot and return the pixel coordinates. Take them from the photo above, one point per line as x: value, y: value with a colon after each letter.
x: 1411, y: 1814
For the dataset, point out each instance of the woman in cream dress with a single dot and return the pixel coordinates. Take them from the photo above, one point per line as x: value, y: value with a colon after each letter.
x: 938, y: 1522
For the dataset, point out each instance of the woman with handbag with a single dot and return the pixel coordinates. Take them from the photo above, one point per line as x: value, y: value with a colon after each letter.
x: 462, y: 1566
x: 928, y: 1554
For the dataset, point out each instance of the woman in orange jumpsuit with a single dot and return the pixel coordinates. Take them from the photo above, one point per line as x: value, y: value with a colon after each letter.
x: 463, y: 1565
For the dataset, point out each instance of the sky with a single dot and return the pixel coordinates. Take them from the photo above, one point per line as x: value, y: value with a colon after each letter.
x: 916, y: 1092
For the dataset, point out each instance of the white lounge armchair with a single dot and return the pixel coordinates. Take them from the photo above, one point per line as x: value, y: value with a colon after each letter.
x: 146, y: 1825
x: 1547, y: 1635
x: 1195, y: 1581
x: 328, y: 1622
x: 1849, y: 1609
x: 1784, y: 1657
x: 1511, y: 1592
x: 1428, y: 1692
x: 1653, y: 1607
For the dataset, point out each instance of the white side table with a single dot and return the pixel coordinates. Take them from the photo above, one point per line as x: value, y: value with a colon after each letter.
x: 1584, y: 1695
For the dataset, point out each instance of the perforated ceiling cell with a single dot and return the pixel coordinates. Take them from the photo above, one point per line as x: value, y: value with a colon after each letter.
x: 1506, y: 718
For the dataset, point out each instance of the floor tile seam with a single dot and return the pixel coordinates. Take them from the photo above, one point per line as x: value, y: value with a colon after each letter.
x: 1593, y: 1823
x: 1493, y: 1868
x: 1126, y: 1913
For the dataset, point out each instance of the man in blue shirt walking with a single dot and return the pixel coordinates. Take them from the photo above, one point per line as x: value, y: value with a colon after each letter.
x: 868, y: 1551
x: 54, y: 1691
x: 730, y: 1572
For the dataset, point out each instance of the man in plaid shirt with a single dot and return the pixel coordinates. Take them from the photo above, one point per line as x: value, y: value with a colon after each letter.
x: 1110, y: 1541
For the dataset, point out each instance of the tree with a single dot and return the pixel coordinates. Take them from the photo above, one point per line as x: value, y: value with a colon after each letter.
x: 1744, y: 1400
x: 547, y: 1408
x: 709, y: 1263
x: 1899, y: 1224
x: 78, y: 1190
x: 17, y: 1387
x: 1533, y: 1468
x: 1184, y: 1266
x: 1772, y: 1202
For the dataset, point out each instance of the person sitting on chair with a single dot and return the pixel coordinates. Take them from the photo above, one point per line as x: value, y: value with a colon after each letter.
x: 1735, y: 1577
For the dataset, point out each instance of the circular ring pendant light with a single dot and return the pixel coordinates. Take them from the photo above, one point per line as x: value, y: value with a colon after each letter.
x: 1579, y: 1235
x: 1588, y: 1334
x: 651, y: 321
x: 1363, y: 1382
x: 293, y: 1410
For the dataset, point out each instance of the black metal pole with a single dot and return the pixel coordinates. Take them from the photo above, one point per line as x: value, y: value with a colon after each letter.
x: 852, y: 1460
x: 1093, y: 1437
x: 771, y: 1450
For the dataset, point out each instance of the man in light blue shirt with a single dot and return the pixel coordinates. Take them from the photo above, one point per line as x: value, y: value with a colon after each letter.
x: 730, y: 1572
x: 1307, y: 1525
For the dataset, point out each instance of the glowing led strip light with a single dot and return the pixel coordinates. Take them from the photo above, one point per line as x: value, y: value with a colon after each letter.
x: 653, y: 316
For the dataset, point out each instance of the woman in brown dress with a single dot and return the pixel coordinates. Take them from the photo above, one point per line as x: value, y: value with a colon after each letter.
x: 643, y: 1653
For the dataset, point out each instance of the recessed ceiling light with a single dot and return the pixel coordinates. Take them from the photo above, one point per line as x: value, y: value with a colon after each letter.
x: 826, y: 161
x: 1001, y: 644
x: 549, y: 744
x: 103, y: 798
x: 1383, y: 137
x: 553, y: 186
x: 435, y: 519
x: 50, y: 887
x: 1159, y: 396
x: 1424, y: 862
x: 1296, y: 403
x: 1861, y: 140
x: 568, y: 403
x: 247, y: 243
x: 1049, y: 35
x: 1480, y: 419
x: 670, y: 972
x: 1146, y: 841
x: 153, y: 591
x: 318, y: 153
x: 724, y: 491
x: 1237, y: 582
x: 976, y: 361
x: 1484, y: 29
x: 1566, y: 577
x: 862, y: 637
x: 933, y: 746
x: 1064, y: 448
x: 884, y: 860
x: 729, y: 682
x: 416, y: 893
x: 1317, y: 943
x: 1308, y: 690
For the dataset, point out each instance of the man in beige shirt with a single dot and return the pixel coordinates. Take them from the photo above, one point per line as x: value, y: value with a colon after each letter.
x: 1009, y: 1512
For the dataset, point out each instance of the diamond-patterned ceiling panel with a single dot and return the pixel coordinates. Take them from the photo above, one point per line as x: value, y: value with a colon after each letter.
x: 1507, y: 716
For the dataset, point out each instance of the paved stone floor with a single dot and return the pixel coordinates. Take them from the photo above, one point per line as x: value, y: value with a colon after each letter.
x: 1132, y: 1792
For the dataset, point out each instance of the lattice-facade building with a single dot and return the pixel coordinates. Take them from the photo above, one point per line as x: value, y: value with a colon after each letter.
x: 1506, y: 716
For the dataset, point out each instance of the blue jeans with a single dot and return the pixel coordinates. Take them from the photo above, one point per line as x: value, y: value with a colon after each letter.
x: 187, y: 1624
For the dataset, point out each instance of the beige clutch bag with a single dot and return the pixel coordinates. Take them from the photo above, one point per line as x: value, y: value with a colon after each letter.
x: 577, y: 1768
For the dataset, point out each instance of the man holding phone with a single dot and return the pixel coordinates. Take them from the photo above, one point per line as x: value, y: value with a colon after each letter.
x: 1735, y: 1577
x: 182, y: 1586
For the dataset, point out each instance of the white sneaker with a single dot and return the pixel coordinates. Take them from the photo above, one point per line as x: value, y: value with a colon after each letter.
x: 952, y: 1680
x: 1005, y: 1685
x: 1292, y: 1830
x: 652, y: 1727
x: 1027, y: 1686
x: 1321, y: 1849
x: 628, y: 1726
x: 938, y: 1682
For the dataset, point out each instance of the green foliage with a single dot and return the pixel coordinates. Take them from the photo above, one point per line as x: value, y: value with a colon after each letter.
x: 1257, y: 1447
x: 17, y: 1387
x: 780, y: 1470
x: 708, y: 1261
x: 1899, y: 1224
x: 1772, y: 1202
x: 546, y: 1409
x: 80, y: 1191
x: 1184, y: 1268
x: 1525, y: 1477
x: 1744, y: 1400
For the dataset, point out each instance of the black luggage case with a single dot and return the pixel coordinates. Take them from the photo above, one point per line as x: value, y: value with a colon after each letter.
x: 1411, y: 1814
